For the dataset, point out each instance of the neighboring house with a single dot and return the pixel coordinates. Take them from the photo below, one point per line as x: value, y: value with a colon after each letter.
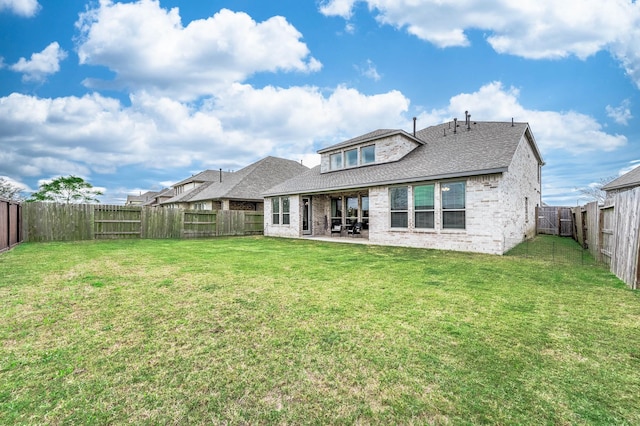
x: 138, y: 200
x: 160, y: 197
x: 241, y: 190
x: 184, y: 190
x: 466, y: 187
x: 625, y: 182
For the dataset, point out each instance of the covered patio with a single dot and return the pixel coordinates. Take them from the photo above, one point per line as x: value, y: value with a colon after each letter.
x: 343, y: 215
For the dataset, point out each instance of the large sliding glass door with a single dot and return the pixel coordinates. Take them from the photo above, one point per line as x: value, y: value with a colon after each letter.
x: 350, y: 210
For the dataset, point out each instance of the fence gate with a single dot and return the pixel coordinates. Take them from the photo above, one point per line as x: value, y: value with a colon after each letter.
x: 555, y: 221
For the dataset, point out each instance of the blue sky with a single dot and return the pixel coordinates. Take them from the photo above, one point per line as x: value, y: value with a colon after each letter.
x: 137, y: 95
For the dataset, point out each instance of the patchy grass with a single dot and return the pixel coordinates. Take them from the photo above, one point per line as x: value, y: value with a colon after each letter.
x: 259, y: 330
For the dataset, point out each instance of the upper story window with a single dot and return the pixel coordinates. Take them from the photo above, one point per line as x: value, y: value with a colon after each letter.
x: 336, y: 161
x: 368, y: 154
x: 351, y: 158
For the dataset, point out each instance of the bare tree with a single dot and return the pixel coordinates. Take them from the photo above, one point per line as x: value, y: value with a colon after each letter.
x: 9, y: 191
x: 594, y: 190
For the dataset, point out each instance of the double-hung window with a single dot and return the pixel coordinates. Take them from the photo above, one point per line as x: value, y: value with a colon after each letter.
x: 285, y: 211
x: 399, y: 206
x: 351, y: 157
x: 368, y: 154
x: 423, y: 206
x: 335, y: 161
x: 453, y: 205
x: 275, y: 210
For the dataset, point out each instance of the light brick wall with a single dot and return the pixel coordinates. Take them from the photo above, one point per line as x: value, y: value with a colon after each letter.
x: 482, y: 233
x: 294, y: 229
x: 495, y: 212
x: 520, y: 186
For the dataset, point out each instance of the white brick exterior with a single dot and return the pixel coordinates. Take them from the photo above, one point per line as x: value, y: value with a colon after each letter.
x: 499, y: 210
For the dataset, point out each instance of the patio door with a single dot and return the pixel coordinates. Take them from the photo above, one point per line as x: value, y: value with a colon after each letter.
x: 306, y: 216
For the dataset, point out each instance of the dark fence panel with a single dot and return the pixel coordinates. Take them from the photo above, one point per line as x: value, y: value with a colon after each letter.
x: 10, y: 224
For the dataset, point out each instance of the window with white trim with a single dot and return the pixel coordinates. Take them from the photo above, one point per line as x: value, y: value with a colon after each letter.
x: 351, y: 157
x: 453, y: 198
x: 423, y: 206
x: 275, y: 211
x: 335, y: 161
x: 399, y: 203
x: 285, y: 211
x: 368, y: 154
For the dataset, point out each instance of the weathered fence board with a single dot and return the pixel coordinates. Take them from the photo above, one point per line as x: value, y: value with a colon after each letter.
x: 57, y: 222
x: 623, y: 235
x: 554, y: 221
x: 68, y: 222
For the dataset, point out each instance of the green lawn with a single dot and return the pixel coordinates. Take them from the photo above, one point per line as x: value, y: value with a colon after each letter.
x: 260, y: 331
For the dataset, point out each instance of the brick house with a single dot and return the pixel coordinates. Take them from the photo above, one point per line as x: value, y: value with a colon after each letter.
x: 471, y: 186
x: 240, y: 190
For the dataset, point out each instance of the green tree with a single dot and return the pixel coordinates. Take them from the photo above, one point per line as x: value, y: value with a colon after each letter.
x: 9, y: 191
x: 67, y: 190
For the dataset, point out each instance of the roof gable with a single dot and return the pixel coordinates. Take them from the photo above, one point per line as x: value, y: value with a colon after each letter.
x: 445, y: 152
x: 250, y: 182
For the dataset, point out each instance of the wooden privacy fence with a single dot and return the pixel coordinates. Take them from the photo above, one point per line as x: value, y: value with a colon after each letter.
x: 620, y: 235
x: 611, y: 233
x: 554, y: 221
x: 71, y: 222
x: 10, y: 224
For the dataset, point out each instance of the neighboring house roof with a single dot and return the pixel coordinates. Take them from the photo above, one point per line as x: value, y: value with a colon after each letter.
x: 164, y: 193
x: 203, y: 178
x: 627, y: 180
x: 488, y: 147
x: 142, y: 198
x: 252, y: 181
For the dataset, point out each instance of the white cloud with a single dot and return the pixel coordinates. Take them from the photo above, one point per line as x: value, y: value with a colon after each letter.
x: 569, y: 131
x: 149, y: 49
x: 548, y: 29
x: 26, y: 8
x: 96, y: 134
x: 342, y: 8
x: 620, y: 114
x: 369, y: 71
x: 41, y: 64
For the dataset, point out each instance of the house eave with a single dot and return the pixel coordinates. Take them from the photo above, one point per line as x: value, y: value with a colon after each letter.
x: 392, y: 182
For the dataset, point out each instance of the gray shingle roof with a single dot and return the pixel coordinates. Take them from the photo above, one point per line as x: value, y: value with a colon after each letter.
x: 488, y: 147
x: 627, y: 180
x: 250, y: 182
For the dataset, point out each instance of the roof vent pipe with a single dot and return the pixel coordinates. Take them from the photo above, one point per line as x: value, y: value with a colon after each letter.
x: 220, y: 175
x: 455, y: 125
x: 414, y: 126
x: 466, y: 118
x: 512, y: 122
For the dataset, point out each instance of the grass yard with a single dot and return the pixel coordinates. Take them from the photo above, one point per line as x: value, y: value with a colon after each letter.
x: 262, y: 331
